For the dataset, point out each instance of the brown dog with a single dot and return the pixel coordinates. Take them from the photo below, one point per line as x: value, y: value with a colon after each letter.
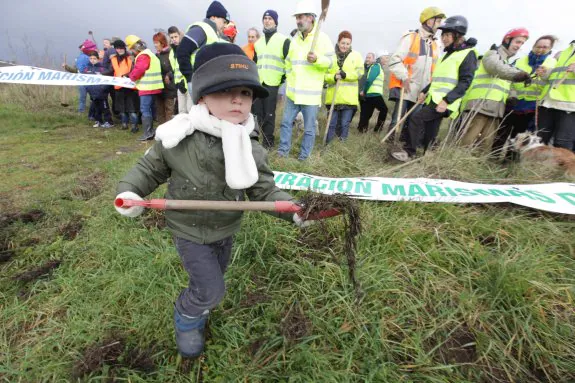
x: 530, y: 149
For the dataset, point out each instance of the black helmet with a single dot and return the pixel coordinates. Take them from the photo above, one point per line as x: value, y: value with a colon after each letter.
x: 119, y: 44
x: 455, y: 24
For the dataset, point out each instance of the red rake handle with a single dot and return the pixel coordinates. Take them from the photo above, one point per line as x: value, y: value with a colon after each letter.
x: 277, y: 206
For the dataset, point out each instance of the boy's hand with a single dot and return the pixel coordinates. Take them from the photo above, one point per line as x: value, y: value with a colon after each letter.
x: 133, y: 211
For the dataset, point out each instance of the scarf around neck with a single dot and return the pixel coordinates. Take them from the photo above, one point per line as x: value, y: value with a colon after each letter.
x: 240, y: 165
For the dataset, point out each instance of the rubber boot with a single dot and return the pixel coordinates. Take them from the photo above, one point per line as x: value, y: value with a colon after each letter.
x: 148, y: 127
x: 190, y: 337
x: 134, y: 129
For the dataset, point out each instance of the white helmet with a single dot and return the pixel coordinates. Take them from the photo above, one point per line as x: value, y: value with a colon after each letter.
x: 382, y: 53
x: 305, y: 6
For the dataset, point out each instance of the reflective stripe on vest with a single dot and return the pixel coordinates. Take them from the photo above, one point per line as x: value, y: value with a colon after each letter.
x: 304, y: 80
x: 348, y: 91
x: 535, y: 90
x: 377, y: 84
x: 211, y: 37
x: 121, y: 68
x: 271, y: 63
x: 152, y: 78
x: 412, y: 57
x: 487, y: 87
x: 178, y: 76
x: 566, y: 91
x: 445, y: 78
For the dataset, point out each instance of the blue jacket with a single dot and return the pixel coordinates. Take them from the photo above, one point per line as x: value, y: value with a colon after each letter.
x: 96, y: 92
x: 82, y: 62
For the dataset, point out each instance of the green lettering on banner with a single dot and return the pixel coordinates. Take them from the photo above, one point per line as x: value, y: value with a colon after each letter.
x: 433, y: 190
x: 344, y: 189
x: 289, y: 179
x: 451, y: 192
x: 304, y: 182
x: 278, y: 177
x: 541, y: 197
x: 363, y: 187
x: 317, y: 186
x: 416, y: 190
x: 465, y: 192
x: 332, y: 184
x: 491, y: 192
x: 45, y: 75
x: 569, y: 197
x: 517, y: 193
x: 388, y: 189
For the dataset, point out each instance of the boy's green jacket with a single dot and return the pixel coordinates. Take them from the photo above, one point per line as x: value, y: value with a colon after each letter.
x: 195, y: 170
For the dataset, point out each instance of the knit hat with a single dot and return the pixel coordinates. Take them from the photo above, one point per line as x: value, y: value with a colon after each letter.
x: 88, y: 46
x: 273, y: 14
x: 119, y: 44
x: 217, y: 9
x: 222, y: 66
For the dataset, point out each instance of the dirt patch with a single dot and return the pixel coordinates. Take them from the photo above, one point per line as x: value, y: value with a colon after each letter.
x: 88, y: 187
x: 459, y: 347
x: 254, y: 347
x: 113, y: 351
x: 70, y: 230
x: 315, y: 204
x: 37, y: 272
x: 6, y: 255
x: 154, y: 219
x: 31, y: 216
x: 254, y: 298
x: 295, y: 324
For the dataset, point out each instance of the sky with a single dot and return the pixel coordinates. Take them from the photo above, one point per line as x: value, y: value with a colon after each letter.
x: 40, y: 32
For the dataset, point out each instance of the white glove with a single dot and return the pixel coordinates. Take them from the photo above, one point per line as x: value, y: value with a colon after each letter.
x: 174, y: 131
x: 300, y: 222
x: 133, y: 211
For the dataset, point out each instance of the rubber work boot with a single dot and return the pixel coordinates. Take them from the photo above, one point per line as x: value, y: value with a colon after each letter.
x: 134, y: 129
x: 190, y: 337
x: 147, y: 125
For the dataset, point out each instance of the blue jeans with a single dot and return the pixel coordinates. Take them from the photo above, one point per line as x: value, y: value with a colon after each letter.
x: 309, y: 116
x: 82, y: 93
x: 129, y: 118
x: 342, y: 117
x: 146, y: 105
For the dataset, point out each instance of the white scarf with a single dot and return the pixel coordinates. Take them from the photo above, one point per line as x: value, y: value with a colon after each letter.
x: 241, y: 169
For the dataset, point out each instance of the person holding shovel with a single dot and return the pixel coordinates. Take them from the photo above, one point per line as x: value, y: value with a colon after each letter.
x: 412, y: 64
x: 452, y: 77
x: 342, y: 86
x: 210, y: 153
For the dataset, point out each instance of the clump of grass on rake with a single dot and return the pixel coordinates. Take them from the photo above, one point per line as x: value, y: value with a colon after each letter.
x: 317, y: 203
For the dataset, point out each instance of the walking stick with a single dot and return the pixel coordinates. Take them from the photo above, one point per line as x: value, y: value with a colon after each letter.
x: 330, y: 112
x: 400, y: 109
x: 170, y: 204
x: 322, y: 16
x: 400, y: 122
x: 92, y: 36
x: 63, y: 102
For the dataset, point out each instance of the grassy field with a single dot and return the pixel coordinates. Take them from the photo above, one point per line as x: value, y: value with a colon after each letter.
x: 453, y: 293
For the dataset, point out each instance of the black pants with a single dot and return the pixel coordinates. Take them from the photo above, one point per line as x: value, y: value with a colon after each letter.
x: 206, y: 266
x: 514, y: 124
x: 559, y: 125
x: 423, y: 128
x: 407, y: 105
x: 102, y: 111
x: 265, y: 111
x: 368, y: 107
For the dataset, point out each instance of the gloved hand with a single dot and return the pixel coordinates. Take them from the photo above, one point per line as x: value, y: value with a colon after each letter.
x: 133, y: 211
x: 521, y: 77
x: 512, y: 102
x: 342, y: 74
x: 182, y: 87
x: 300, y: 222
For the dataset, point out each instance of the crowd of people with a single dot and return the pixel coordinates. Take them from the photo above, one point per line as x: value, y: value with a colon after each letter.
x: 210, y: 149
x: 492, y: 97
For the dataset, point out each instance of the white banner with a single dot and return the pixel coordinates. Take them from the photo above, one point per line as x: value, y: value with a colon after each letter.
x: 554, y: 197
x: 20, y: 74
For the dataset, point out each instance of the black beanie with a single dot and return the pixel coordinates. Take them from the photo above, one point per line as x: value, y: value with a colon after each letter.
x: 119, y: 44
x: 273, y: 14
x: 217, y: 9
x: 222, y: 66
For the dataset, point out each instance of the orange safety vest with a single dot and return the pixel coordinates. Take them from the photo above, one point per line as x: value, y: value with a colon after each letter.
x: 411, y: 58
x: 249, y: 50
x: 121, y: 68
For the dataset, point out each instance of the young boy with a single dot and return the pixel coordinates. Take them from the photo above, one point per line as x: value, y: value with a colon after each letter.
x: 210, y: 153
x: 99, y: 94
